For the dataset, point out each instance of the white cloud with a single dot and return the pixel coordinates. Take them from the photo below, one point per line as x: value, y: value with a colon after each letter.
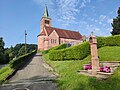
x: 105, y: 19
x: 102, y: 17
x: 68, y: 9
x: 96, y: 30
x: 84, y: 3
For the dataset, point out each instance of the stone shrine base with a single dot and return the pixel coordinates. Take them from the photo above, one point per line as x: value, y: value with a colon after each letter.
x: 99, y: 75
x: 102, y: 75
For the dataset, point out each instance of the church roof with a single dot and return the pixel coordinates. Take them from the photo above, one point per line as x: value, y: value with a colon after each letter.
x: 68, y: 34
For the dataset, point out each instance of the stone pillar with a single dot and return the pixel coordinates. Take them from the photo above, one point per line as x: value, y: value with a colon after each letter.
x: 94, y: 54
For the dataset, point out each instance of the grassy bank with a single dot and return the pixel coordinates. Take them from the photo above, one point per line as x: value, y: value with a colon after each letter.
x: 70, y: 80
x: 4, y: 72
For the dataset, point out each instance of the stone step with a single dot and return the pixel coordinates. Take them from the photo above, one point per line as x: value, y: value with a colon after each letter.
x: 100, y: 75
x: 104, y: 73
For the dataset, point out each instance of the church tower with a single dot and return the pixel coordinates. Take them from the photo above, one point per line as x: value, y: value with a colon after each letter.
x: 46, y: 20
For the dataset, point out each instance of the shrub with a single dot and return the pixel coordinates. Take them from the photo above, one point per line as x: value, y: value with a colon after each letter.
x: 108, y: 41
x: 100, y: 42
x: 22, y: 60
x: 74, y: 53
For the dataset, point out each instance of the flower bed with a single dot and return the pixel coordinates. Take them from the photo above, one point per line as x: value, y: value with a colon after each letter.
x: 87, y: 67
x: 102, y: 69
x: 105, y: 69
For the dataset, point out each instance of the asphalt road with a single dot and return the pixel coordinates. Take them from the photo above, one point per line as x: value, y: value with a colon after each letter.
x: 35, y: 76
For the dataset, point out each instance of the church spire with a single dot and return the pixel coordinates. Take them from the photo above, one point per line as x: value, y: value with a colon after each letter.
x: 46, y: 12
x: 45, y: 20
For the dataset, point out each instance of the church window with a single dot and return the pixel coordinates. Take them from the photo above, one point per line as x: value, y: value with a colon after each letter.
x: 55, y: 40
x: 43, y: 39
x: 51, y: 40
x: 47, y: 22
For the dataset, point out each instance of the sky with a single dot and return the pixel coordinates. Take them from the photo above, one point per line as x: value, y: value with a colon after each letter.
x: 85, y: 16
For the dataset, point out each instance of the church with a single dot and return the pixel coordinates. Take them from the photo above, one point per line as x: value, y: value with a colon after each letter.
x: 50, y: 36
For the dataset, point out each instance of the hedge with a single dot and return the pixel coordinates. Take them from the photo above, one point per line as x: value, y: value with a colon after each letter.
x: 62, y: 46
x: 22, y: 60
x: 74, y: 53
x: 83, y: 50
x: 108, y: 41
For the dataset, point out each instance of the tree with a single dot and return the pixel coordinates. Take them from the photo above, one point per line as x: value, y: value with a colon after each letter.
x: 116, y: 24
x: 2, y: 51
x: 17, y: 48
x: 21, y: 51
x: 11, y: 53
x: 30, y: 47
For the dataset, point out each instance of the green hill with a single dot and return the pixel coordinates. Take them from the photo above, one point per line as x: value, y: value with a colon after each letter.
x: 70, y: 80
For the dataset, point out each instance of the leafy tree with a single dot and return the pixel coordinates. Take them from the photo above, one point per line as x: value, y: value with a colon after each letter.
x: 21, y: 51
x: 3, y: 55
x: 30, y: 47
x: 11, y: 53
x: 1, y: 49
x: 116, y: 24
x: 17, y: 48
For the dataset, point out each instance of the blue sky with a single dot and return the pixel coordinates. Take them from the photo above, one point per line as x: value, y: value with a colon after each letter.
x: 84, y: 16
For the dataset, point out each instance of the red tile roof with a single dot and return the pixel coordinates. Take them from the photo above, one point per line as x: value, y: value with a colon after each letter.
x: 84, y: 38
x: 64, y: 33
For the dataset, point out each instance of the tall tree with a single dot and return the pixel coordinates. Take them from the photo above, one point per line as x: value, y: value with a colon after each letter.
x: 2, y: 57
x: 11, y: 53
x: 21, y: 51
x: 17, y: 48
x: 116, y: 24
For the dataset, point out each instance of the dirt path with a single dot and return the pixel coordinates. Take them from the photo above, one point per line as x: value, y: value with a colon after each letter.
x: 33, y: 77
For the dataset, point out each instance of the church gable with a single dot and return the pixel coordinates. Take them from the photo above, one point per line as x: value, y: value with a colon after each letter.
x: 54, y: 34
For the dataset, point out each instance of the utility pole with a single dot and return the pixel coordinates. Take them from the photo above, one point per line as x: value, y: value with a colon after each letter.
x: 25, y: 41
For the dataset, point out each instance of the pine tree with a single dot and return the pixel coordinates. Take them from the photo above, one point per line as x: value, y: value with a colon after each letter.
x: 116, y: 24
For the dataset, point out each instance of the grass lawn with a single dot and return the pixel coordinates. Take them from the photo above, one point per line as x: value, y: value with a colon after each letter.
x: 4, y: 72
x: 70, y: 80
